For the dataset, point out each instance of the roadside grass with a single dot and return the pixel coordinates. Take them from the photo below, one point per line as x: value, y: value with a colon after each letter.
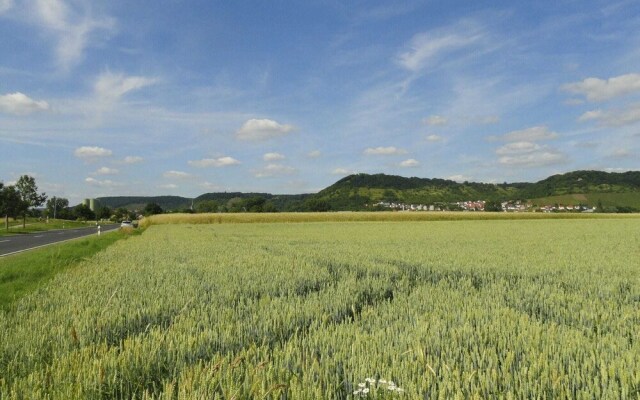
x: 235, y: 218
x: 23, y: 273
x: 35, y: 225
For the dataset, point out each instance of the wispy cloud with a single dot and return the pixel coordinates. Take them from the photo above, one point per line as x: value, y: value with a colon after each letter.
x: 176, y: 175
x: 106, y: 171
x: 613, y: 118
x: 132, y: 160
x: 262, y: 129
x: 92, y: 152
x: 20, y: 104
x: 596, y: 89
x: 342, y: 171
x: 427, y: 48
x: 435, y: 120
x: 5, y: 5
x: 71, y: 26
x: 102, y: 183
x: 214, y: 162
x: 274, y: 170
x: 110, y: 87
x: 532, y: 134
x: 273, y: 157
x: 384, y: 151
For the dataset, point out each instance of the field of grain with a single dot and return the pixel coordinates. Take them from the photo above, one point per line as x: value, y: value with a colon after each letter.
x: 338, y: 310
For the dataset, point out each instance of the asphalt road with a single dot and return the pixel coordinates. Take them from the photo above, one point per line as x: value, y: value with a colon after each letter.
x: 19, y: 243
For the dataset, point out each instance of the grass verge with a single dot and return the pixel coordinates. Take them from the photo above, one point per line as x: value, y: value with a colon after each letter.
x: 23, y: 273
x: 35, y: 225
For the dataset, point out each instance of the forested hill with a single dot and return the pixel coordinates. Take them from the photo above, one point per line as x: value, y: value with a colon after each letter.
x: 583, y: 182
x: 355, y: 191
x: 138, y: 202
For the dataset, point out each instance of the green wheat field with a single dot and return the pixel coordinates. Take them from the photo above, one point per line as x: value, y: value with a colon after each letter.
x: 433, y: 309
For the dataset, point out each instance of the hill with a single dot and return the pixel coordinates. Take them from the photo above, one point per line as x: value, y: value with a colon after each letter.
x: 578, y: 187
x: 138, y: 202
x: 354, y: 192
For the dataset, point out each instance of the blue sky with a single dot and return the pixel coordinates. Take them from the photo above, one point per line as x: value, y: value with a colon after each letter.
x: 188, y: 97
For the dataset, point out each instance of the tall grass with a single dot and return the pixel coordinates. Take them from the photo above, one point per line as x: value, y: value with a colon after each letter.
x: 491, y: 309
x: 234, y: 218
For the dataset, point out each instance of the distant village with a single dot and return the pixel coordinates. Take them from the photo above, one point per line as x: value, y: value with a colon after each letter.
x: 479, y: 205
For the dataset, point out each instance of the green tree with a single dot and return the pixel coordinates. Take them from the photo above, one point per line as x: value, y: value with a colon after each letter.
x: 56, y: 205
x: 103, y: 212
x: 83, y: 212
x: 28, y: 191
x: 254, y: 204
x: 317, y: 205
x: 493, y: 206
x: 207, y: 206
x: 10, y: 203
x: 152, y: 209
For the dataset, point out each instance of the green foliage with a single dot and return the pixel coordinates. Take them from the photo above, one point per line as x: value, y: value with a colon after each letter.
x: 56, y: 206
x: 493, y: 206
x: 83, y: 213
x: 23, y: 273
x: 308, y: 311
x: 152, y: 209
x: 207, y: 206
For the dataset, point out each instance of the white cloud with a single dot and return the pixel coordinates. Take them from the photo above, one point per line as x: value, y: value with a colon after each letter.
x: 427, y: 48
x: 595, y: 89
x: 518, y: 148
x: 273, y: 157
x: 614, y: 118
x: 386, y: 151
x: 459, y: 178
x: 529, y: 135
x: 314, y: 154
x: 132, y: 160
x: 176, y: 175
x: 106, y: 171
x: 214, y: 162
x: 410, y: 163
x: 20, y: 104
x: 169, y: 186
x: 70, y: 28
x: 533, y: 159
x: 434, y: 138
x: 91, y: 152
x: 105, y: 183
x: 109, y: 87
x: 274, y: 170
x: 435, y: 120
x: 5, y: 5
x: 622, y: 153
x: 210, y: 186
x: 262, y: 129
x: 342, y: 171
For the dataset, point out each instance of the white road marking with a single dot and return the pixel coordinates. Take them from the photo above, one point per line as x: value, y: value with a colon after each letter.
x: 38, y: 236
x: 2, y: 241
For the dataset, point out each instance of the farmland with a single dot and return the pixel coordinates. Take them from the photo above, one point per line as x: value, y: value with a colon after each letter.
x: 461, y: 308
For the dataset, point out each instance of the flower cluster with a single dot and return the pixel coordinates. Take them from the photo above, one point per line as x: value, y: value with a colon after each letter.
x: 371, y: 385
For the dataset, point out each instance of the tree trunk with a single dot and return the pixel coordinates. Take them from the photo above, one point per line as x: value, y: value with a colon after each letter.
x: 24, y: 221
x: 6, y: 222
